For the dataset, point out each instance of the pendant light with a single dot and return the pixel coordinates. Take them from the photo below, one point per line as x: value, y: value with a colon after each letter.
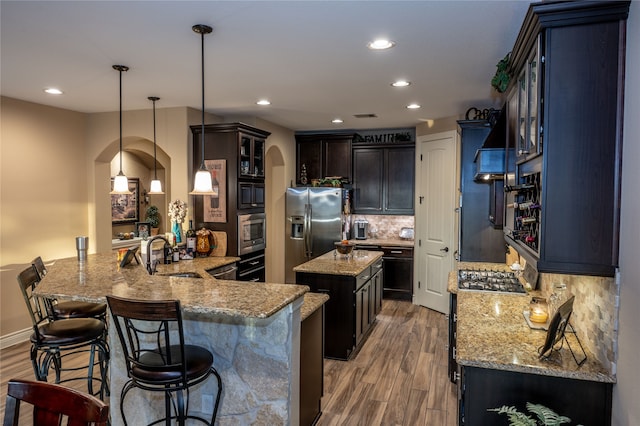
x: 156, y: 185
x: 202, y: 182
x: 120, y: 183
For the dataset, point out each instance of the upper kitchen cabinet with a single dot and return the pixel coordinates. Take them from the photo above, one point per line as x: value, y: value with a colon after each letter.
x: 564, y: 118
x: 384, y: 180
x: 323, y: 155
x: 243, y: 149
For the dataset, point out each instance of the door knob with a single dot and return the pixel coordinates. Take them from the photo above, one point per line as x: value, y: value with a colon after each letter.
x: 446, y: 249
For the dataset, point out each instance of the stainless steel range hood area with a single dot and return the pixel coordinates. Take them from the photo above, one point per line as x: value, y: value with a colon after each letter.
x: 491, y: 158
x: 490, y: 164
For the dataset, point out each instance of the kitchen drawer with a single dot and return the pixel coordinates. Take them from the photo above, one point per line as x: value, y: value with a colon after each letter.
x: 363, y: 277
x: 397, y: 251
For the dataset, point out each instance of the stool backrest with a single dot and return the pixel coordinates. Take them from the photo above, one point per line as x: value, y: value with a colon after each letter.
x: 52, y: 403
x: 39, y: 265
x: 151, y: 335
x: 39, y: 308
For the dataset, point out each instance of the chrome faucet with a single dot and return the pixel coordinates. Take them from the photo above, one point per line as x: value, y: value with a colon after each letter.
x: 151, y: 267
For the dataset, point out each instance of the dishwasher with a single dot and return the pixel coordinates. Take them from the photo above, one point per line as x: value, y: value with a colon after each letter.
x: 226, y: 272
x: 398, y: 272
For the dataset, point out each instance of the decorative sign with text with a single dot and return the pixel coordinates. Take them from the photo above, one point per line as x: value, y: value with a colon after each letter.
x: 215, y: 206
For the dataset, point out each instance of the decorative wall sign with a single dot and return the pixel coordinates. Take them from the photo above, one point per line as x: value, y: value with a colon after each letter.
x: 124, y: 208
x: 215, y: 207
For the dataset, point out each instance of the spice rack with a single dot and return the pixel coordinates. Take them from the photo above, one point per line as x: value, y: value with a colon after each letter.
x: 527, y: 209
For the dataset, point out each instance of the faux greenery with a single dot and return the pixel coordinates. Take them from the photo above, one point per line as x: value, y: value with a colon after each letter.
x: 500, y: 80
x: 153, y: 216
x: 545, y: 416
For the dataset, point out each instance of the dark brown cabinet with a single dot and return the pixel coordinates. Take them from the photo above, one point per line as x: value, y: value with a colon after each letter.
x: 243, y: 148
x: 384, y: 180
x: 574, y: 105
x: 584, y: 402
x: 311, y: 367
x: 351, y: 309
x: 323, y: 155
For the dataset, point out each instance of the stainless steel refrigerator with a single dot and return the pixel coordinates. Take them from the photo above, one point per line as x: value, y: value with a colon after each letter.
x: 314, y: 221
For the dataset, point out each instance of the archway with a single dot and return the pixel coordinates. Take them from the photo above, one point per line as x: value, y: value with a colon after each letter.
x: 137, y: 160
x: 276, y: 185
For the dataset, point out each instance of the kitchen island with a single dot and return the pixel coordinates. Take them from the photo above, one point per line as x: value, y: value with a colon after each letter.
x: 354, y: 286
x: 253, y: 330
x: 496, y: 349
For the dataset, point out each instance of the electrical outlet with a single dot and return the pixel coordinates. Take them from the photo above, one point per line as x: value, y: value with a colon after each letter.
x: 207, y: 403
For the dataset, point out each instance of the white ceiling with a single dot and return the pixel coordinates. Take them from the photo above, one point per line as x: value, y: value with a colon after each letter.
x: 308, y: 57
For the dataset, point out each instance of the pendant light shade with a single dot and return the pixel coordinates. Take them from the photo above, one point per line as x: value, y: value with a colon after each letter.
x: 156, y: 185
x: 202, y: 181
x: 121, y: 183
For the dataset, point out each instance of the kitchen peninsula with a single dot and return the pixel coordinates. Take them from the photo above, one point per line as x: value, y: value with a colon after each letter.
x: 253, y: 330
x: 354, y: 285
x: 497, y: 350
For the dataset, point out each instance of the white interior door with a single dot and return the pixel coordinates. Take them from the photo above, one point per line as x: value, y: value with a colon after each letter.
x: 435, y: 222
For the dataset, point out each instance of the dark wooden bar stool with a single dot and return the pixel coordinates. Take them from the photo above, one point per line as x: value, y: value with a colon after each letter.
x: 52, y: 404
x: 54, y: 339
x: 71, y: 309
x: 156, y: 357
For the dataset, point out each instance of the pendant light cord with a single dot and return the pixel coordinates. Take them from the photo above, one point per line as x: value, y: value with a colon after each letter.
x: 120, y: 72
x: 155, y: 161
x: 202, y: 166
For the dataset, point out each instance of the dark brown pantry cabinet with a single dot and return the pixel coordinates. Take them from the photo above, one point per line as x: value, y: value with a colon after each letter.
x: 323, y: 155
x: 243, y: 148
x: 565, y: 121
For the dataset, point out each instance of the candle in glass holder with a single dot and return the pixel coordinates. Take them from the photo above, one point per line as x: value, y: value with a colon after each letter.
x: 538, y: 310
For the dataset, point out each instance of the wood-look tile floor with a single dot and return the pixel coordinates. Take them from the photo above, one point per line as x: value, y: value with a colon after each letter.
x: 399, y: 377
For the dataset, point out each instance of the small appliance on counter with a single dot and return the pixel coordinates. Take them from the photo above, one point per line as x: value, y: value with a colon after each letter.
x: 361, y: 229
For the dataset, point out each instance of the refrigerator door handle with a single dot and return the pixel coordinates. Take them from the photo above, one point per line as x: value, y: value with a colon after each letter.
x: 308, y: 230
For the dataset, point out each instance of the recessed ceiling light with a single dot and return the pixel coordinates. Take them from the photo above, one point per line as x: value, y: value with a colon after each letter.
x: 53, y: 91
x: 337, y: 121
x: 263, y: 102
x: 401, y: 83
x: 381, y: 44
x: 413, y: 106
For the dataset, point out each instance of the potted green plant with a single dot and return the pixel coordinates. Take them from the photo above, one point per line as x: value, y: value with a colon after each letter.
x: 153, y: 217
x: 545, y: 416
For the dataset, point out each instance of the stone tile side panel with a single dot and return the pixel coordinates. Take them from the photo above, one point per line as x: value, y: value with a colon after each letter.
x: 250, y: 355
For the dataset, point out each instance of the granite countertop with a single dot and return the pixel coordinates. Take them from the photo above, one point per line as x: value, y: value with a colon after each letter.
x: 386, y: 242
x: 312, y: 302
x: 332, y: 264
x: 493, y: 333
x: 100, y: 275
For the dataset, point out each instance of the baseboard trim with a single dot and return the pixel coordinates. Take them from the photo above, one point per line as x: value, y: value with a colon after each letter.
x: 15, y: 338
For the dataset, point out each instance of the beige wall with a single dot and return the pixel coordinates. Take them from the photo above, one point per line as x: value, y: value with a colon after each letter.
x: 43, y: 177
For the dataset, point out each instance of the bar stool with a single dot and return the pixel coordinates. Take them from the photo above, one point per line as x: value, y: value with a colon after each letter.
x: 54, y: 339
x: 156, y: 357
x: 51, y: 403
x: 71, y: 309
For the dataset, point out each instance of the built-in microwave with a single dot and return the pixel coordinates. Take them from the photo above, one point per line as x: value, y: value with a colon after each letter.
x: 252, y: 233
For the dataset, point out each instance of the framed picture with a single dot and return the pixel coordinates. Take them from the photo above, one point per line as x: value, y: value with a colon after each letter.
x: 124, y: 208
x: 143, y: 229
x: 215, y: 206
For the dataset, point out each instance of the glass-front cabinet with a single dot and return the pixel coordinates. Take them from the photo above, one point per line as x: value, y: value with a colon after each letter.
x: 251, y: 156
x: 530, y: 106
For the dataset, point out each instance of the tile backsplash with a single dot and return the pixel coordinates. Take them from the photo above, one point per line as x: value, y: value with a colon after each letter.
x: 386, y: 226
x: 595, y: 312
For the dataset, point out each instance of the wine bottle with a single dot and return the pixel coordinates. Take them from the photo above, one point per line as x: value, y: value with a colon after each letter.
x: 191, y: 239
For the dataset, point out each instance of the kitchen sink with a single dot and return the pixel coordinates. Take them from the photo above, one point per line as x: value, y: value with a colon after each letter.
x: 182, y: 275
